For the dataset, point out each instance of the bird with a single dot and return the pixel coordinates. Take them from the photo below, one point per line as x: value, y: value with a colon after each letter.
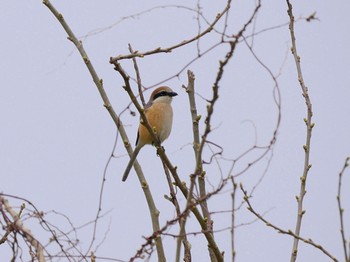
x: 159, y: 114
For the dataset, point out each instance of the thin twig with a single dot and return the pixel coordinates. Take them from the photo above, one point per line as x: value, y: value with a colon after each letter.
x: 47, y: 226
x: 18, y: 226
x: 191, y: 205
x: 171, y: 48
x: 233, y: 198
x: 282, y: 231
x: 341, y: 211
x: 138, y: 77
x: 182, y: 219
x: 309, y: 127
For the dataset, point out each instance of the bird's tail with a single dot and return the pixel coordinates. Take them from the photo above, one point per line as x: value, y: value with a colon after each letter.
x: 131, y: 162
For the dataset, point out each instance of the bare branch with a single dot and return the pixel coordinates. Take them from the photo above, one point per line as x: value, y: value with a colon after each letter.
x: 309, y: 127
x: 341, y: 211
x: 138, y: 77
x: 169, y: 49
x: 233, y: 199
x: 282, y: 231
x: 18, y: 226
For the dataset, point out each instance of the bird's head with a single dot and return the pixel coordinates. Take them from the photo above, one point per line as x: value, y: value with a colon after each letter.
x: 162, y: 94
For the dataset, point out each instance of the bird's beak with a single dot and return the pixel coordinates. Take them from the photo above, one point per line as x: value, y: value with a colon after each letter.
x: 172, y: 94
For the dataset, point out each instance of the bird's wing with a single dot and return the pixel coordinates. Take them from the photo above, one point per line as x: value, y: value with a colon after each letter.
x: 148, y: 105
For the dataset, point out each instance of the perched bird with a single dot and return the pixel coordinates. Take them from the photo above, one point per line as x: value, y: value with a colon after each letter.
x: 159, y: 114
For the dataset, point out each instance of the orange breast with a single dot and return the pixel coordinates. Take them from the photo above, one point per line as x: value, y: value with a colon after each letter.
x: 160, y: 117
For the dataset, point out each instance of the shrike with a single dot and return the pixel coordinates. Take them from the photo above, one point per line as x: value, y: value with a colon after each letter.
x: 159, y: 114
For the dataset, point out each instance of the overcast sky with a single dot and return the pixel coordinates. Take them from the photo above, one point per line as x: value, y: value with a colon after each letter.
x: 56, y: 136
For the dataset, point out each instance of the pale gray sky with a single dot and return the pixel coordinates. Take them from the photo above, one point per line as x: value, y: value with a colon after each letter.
x: 56, y: 136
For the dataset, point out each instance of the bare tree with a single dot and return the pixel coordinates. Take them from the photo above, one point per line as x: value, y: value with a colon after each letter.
x: 191, y: 196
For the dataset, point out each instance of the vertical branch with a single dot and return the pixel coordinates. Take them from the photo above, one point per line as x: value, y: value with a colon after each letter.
x: 341, y: 211
x: 226, y: 21
x: 199, y: 172
x: 309, y: 126
x: 182, y: 218
x: 138, y: 77
x: 198, y: 16
x: 196, y: 141
x: 233, y: 197
x: 182, y: 239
